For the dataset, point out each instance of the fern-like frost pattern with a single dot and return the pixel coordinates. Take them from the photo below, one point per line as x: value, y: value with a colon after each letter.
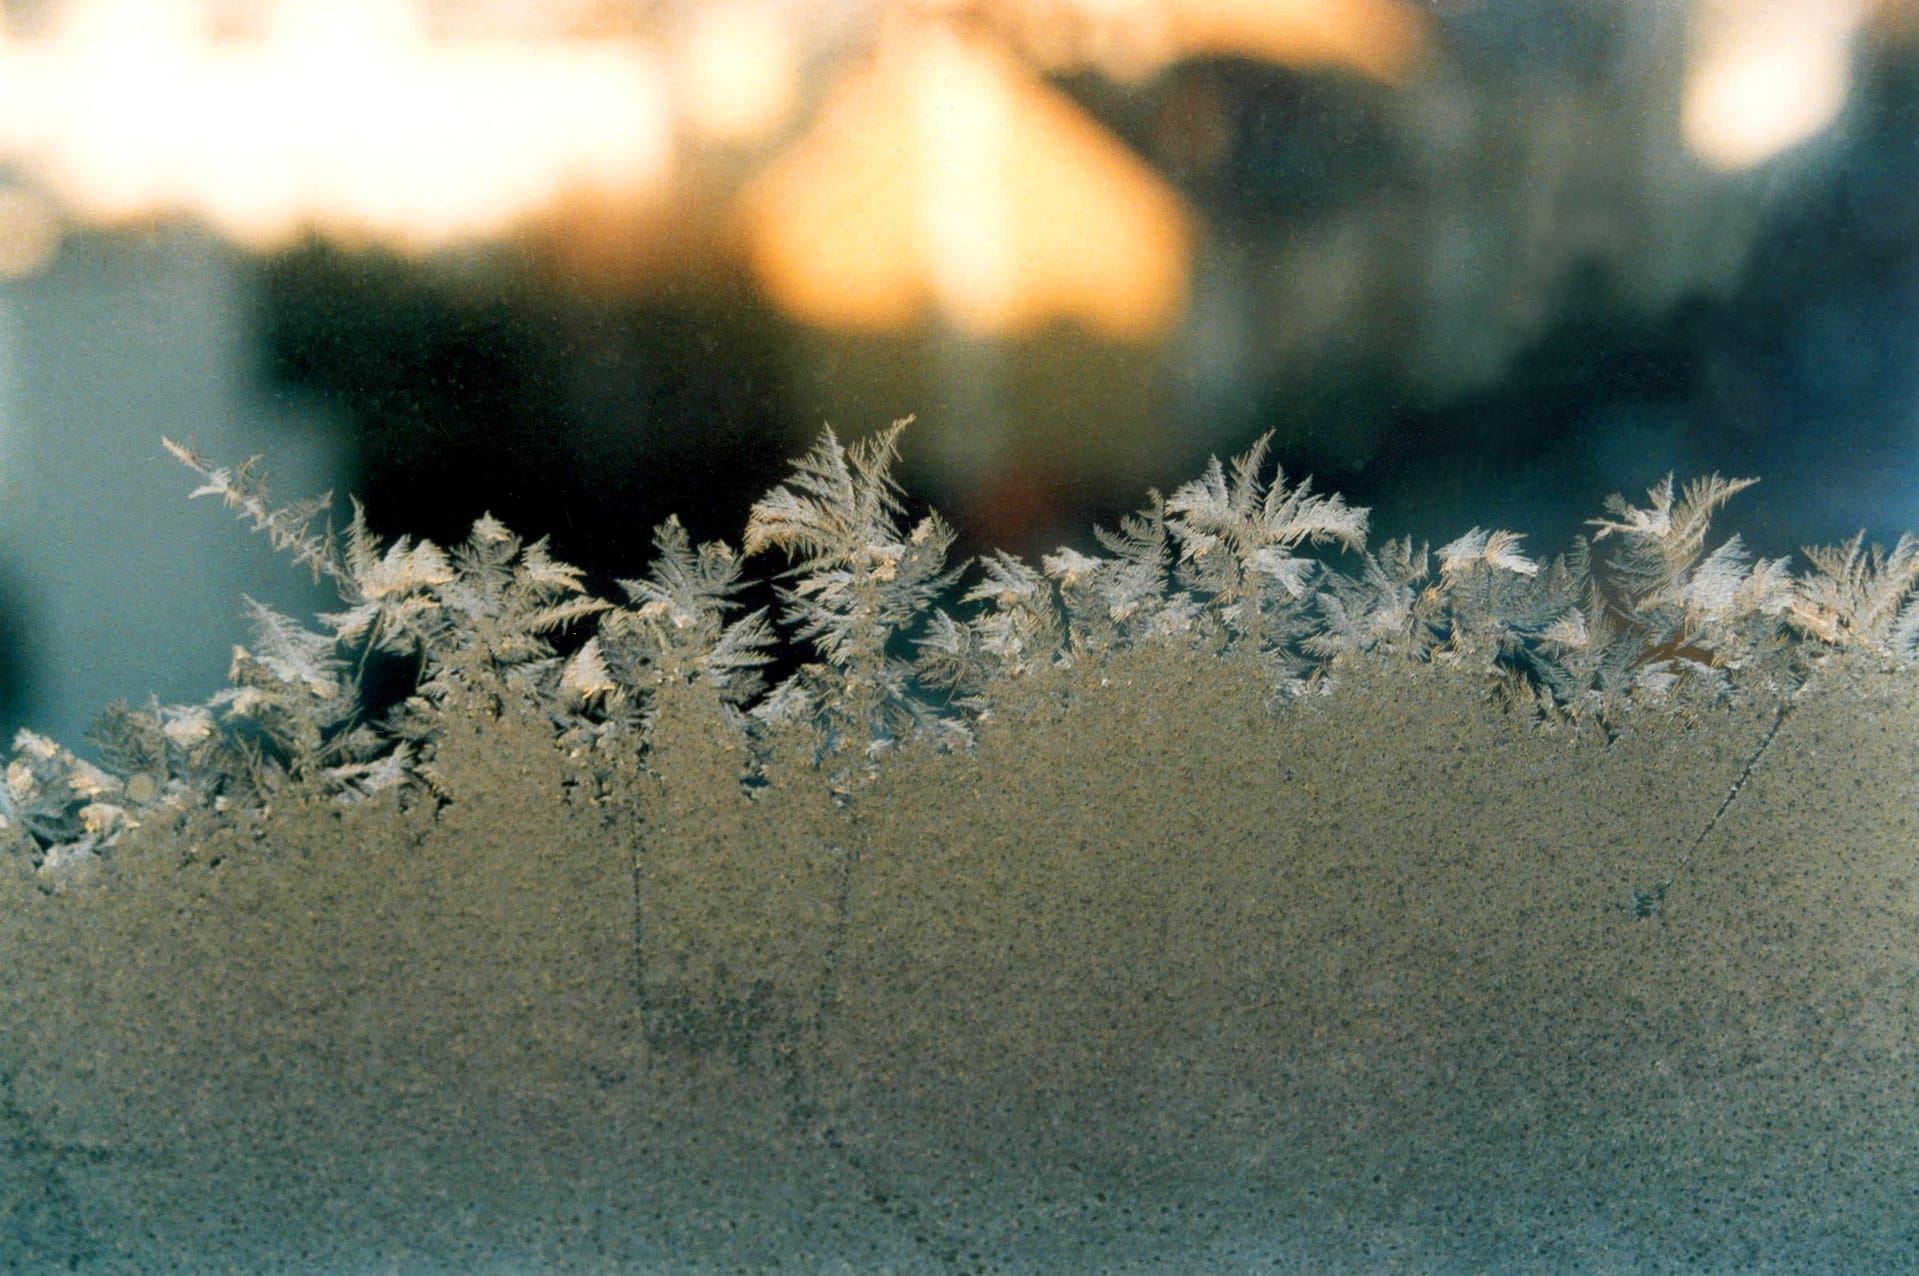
x: 891, y: 643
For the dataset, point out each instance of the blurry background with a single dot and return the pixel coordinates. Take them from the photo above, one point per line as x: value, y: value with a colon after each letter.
x: 585, y: 263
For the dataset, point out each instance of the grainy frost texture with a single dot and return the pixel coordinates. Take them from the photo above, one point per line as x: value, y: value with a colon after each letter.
x: 1239, y: 897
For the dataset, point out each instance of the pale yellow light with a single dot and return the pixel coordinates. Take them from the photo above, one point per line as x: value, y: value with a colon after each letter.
x: 1766, y: 75
x: 343, y: 116
x: 946, y: 180
x: 737, y: 69
x: 963, y: 209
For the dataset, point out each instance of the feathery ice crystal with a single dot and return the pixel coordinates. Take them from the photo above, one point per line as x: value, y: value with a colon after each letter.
x: 1238, y: 563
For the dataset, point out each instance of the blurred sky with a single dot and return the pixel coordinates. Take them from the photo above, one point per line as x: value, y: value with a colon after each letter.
x: 584, y: 264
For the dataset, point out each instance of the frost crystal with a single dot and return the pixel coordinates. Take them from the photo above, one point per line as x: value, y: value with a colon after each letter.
x: 1236, y: 562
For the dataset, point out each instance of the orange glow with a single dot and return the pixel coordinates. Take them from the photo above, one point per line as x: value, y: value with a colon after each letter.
x: 946, y: 179
x: 964, y: 185
x: 342, y: 115
x: 1383, y: 39
x: 1379, y: 38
